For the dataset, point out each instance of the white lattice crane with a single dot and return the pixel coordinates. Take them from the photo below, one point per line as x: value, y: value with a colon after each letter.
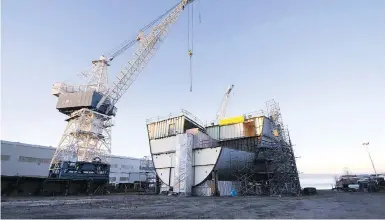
x: 91, y: 107
x: 222, y: 109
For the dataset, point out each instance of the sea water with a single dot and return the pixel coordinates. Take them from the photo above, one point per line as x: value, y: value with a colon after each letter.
x: 319, y: 181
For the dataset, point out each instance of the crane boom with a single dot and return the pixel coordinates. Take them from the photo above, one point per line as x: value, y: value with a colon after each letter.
x: 148, y: 46
x: 97, y: 70
x: 121, y: 48
x: 222, y: 110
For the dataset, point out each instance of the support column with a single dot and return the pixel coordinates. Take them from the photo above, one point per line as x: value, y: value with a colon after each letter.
x: 215, y: 179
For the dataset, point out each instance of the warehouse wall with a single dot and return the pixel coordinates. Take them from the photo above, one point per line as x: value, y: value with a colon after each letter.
x: 19, y: 159
x: 125, y: 170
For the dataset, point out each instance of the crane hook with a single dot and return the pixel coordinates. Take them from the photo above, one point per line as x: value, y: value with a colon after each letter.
x: 190, y: 53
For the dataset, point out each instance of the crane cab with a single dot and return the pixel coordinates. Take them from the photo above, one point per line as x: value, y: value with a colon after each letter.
x: 70, y: 102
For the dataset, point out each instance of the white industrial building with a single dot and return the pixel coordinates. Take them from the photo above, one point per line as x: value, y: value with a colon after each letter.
x: 27, y: 160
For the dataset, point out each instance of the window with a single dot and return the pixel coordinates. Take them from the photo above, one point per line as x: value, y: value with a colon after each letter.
x: 128, y: 167
x: 112, y: 179
x: 123, y: 179
x: 34, y: 160
x: 114, y: 166
x: 171, y: 129
x: 5, y: 157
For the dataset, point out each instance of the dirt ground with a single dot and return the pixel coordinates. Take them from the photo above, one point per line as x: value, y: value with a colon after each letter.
x: 326, y: 204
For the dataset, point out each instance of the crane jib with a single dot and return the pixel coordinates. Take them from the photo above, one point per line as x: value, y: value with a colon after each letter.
x: 143, y: 54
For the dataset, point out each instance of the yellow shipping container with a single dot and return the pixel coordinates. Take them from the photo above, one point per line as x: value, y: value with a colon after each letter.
x: 233, y: 120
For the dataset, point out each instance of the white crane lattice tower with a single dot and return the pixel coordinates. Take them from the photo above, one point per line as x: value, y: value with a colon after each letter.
x: 90, y: 108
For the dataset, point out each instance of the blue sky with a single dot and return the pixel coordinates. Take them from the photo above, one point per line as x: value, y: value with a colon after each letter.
x: 323, y: 61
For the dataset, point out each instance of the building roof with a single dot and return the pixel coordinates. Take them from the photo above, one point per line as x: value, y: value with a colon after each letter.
x: 26, y: 145
x: 54, y: 148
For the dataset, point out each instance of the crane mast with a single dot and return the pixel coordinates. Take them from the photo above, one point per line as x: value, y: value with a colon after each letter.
x: 222, y: 109
x: 91, y: 108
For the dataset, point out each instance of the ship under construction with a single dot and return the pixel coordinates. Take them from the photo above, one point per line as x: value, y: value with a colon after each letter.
x: 250, y: 154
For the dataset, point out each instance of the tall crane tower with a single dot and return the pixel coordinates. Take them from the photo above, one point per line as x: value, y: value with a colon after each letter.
x: 91, y: 107
x: 222, y: 109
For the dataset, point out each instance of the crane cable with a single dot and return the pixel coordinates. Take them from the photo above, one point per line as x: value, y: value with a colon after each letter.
x: 199, y: 15
x: 190, y: 43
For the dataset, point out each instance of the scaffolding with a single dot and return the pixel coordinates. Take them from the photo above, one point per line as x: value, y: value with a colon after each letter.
x: 242, y: 168
x: 274, y: 114
x: 272, y: 170
x: 183, y: 165
x: 282, y: 176
x: 147, y: 175
x: 285, y: 179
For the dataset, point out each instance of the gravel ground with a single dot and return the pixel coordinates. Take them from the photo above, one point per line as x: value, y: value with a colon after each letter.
x: 326, y: 204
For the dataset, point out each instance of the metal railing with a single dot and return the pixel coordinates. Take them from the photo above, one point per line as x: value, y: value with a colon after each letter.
x: 174, y: 115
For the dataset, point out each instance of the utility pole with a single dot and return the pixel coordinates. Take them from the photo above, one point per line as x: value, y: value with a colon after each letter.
x: 367, y: 149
